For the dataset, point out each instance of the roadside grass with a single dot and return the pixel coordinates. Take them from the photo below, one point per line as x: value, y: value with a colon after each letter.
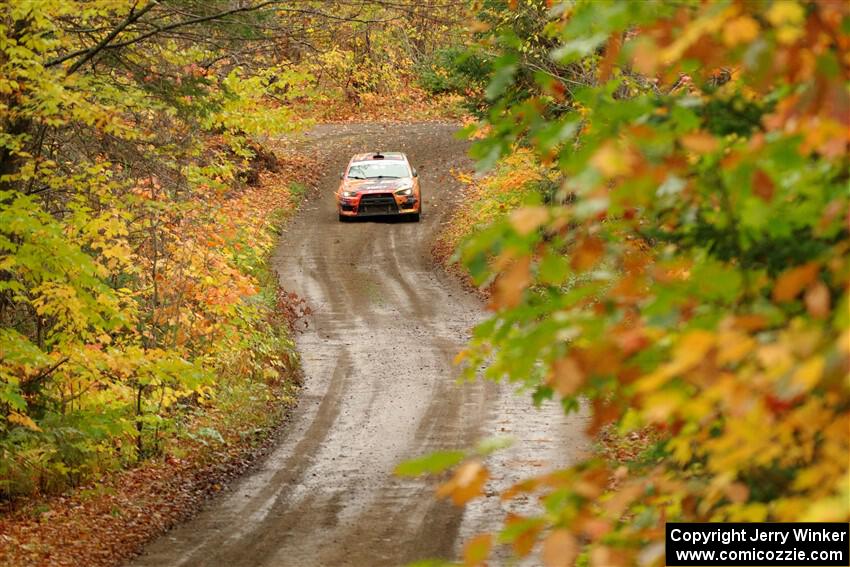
x: 514, y: 181
x: 297, y: 191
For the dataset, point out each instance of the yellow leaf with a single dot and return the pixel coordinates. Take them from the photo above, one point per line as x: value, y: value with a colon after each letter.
x: 789, y: 34
x: 808, y: 374
x: 708, y: 23
x: 654, y: 380
x: 658, y: 407
x: 24, y: 420
x: 843, y: 344
x: 691, y: 349
x: 783, y: 12
x: 743, y: 29
x: 460, y: 357
x: 733, y: 346
x: 833, y: 509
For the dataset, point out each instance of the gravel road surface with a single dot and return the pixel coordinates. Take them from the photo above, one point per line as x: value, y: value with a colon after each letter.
x: 379, y: 388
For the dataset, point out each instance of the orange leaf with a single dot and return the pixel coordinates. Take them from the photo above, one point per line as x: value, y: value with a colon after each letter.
x: 477, y: 26
x: 749, y: 322
x: 762, y: 185
x: 631, y: 340
x: 587, y: 253
x: 524, y: 542
x: 792, y: 282
x: 603, y: 556
x: 596, y: 528
x: 645, y: 56
x: 466, y: 483
x: 612, y: 160
x: 592, y: 482
x: 623, y: 498
x: 603, y: 414
x: 511, y: 283
x: 528, y: 219
x: 559, y: 549
x: 700, y: 142
x: 737, y: 492
x: 817, y: 300
x: 567, y: 376
x: 528, y: 485
x: 612, y: 51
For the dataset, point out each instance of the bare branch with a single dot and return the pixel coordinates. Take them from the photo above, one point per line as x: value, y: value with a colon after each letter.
x: 87, y: 54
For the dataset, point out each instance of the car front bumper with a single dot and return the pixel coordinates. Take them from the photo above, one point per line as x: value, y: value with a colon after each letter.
x: 382, y: 204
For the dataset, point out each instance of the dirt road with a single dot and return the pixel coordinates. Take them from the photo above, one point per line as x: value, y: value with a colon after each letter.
x: 379, y: 388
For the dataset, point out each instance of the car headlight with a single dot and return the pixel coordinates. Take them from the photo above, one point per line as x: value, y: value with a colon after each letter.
x: 405, y: 191
x: 349, y: 193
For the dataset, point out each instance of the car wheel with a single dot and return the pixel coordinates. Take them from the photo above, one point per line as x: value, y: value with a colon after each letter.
x: 343, y: 218
x: 414, y: 217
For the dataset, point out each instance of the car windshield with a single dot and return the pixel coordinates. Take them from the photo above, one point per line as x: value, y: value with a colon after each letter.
x: 379, y: 169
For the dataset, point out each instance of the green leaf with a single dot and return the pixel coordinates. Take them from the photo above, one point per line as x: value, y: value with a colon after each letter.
x: 430, y: 464
x: 506, y: 67
x: 578, y: 48
x: 553, y: 269
x: 493, y: 444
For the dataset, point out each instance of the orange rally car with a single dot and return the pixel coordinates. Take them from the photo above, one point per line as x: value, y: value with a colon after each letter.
x: 379, y: 184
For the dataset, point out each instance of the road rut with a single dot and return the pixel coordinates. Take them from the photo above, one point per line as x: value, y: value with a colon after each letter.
x: 379, y: 388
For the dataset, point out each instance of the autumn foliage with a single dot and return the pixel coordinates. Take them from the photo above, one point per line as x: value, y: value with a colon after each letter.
x: 664, y: 238
x: 688, y: 280
x: 137, y: 209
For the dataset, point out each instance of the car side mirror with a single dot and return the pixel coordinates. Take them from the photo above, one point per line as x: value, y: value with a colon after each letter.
x: 415, y: 173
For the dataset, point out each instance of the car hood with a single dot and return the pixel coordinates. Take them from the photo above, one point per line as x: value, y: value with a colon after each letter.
x: 375, y: 185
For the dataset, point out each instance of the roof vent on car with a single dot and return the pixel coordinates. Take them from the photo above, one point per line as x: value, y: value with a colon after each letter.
x: 378, y: 155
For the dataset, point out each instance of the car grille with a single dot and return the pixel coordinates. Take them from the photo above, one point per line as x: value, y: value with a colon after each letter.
x: 377, y: 204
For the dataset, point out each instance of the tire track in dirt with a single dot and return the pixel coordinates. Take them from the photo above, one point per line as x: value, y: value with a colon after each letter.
x: 379, y: 388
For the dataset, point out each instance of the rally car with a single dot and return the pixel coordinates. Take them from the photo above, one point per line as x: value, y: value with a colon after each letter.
x: 377, y: 184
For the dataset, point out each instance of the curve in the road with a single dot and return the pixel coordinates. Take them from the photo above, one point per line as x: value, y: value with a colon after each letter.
x: 379, y: 388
